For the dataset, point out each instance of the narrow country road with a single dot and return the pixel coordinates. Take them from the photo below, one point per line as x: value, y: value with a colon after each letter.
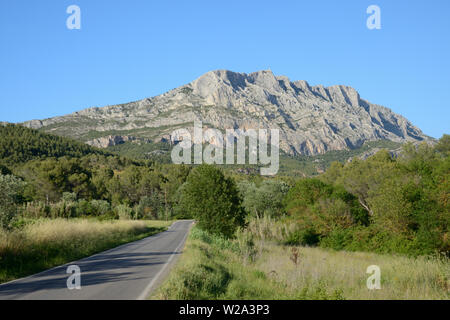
x: 128, y: 272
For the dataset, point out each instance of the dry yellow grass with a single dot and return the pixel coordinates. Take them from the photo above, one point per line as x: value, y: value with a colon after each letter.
x: 214, y: 268
x: 401, y: 277
x: 46, y: 243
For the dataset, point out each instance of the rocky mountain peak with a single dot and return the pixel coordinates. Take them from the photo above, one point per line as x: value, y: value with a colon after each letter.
x: 311, y: 119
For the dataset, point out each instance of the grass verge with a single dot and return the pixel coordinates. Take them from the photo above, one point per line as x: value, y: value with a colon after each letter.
x: 44, y: 244
x: 215, y: 268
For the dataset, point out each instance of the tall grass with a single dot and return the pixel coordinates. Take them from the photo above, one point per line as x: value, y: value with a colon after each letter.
x: 212, y: 268
x: 401, y: 277
x: 255, y: 266
x: 44, y: 243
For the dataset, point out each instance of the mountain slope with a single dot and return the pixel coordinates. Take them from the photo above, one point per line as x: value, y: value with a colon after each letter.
x: 312, y: 119
x: 19, y: 144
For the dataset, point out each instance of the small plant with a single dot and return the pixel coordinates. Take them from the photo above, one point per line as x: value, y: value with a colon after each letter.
x: 295, y: 254
x: 246, y: 244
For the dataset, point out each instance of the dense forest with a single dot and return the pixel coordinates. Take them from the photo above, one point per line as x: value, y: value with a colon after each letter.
x: 382, y: 204
x: 19, y: 144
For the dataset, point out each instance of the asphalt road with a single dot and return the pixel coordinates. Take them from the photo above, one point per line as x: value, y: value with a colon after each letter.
x: 129, y: 272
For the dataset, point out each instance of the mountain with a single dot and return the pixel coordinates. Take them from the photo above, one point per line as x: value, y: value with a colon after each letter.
x: 312, y: 119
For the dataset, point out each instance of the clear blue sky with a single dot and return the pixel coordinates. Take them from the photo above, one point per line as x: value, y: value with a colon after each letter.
x: 129, y: 50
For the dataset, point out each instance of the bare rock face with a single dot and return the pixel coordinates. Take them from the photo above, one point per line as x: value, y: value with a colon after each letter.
x: 109, y: 141
x: 311, y: 119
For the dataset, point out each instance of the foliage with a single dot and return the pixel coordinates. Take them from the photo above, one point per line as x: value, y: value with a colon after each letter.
x: 267, y: 199
x: 19, y: 144
x: 384, y: 203
x: 381, y: 204
x: 11, y: 188
x: 213, y: 200
x: 124, y: 212
x: 319, y: 208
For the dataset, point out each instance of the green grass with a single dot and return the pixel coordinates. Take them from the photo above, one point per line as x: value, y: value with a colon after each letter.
x: 45, y: 243
x: 215, y: 268
x: 244, y: 269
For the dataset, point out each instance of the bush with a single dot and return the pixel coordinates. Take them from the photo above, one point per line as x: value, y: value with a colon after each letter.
x: 216, y: 240
x: 319, y: 209
x: 338, y: 239
x: 100, y: 207
x: 307, y: 237
x: 84, y: 208
x: 266, y: 200
x: 124, y: 212
x: 69, y: 196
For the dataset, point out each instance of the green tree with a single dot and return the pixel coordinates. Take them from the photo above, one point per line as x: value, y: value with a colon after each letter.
x: 267, y: 199
x: 213, y: 200
x: 10, y: 191
x: 443, y: 146
x: 100, y: 180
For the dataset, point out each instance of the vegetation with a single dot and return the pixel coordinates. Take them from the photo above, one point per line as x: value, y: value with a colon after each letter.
x: 158, y: 152
x: 251, y: 268
x: 213, y: 200
x: 289, y: 165
x: 10, y: 187
x: 62, y: 200
x: 265, y: 199
x: 353, y: 213
x: 212, y: 268
x: 42, y: 244
x: 345, y: 220
x: 19, y: 144
x: 405, y: 200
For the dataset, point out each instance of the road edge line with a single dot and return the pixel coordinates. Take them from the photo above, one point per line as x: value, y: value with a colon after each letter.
x: 148, y: 288
x: 85, y: 258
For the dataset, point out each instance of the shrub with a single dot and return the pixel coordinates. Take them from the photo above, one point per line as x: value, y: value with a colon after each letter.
x: 266, y: 200
x: 124, y: 212
x: 307, y: 237
x: 69, y: 196
x: 84, y: 208
x: 100, y: 207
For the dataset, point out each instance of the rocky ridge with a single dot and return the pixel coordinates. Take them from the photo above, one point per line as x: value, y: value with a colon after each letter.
x: 312, y: 119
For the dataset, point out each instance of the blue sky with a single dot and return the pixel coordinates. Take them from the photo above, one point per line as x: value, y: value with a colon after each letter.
x: 129, y: 50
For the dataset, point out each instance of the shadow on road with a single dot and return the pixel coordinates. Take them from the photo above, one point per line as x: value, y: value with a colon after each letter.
x: 98, y: 269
